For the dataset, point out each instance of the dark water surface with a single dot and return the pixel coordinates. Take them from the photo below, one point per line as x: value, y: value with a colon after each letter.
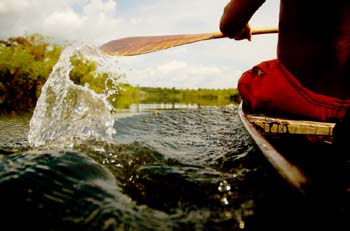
x: 185, y: 169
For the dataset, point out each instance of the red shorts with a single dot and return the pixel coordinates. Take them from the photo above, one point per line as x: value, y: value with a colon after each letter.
x: 271, y: 89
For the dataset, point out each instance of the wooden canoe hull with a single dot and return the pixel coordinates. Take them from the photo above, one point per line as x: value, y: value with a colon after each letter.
x: 291, y: 173
x: 301, y: 151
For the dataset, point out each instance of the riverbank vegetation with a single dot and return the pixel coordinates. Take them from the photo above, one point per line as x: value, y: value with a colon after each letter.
x: 158, y: 95
x: 26, y: 63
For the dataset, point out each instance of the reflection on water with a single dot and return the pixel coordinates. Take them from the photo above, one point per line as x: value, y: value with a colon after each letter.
x: 160, y: 106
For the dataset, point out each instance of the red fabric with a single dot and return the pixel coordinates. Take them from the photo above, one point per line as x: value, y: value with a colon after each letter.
x: 270, y: 88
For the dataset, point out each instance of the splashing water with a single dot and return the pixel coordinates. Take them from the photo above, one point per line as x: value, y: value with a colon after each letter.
x: 67, y: 113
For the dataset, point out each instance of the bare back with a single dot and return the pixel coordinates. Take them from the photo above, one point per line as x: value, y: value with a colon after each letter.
x: 314, y: 44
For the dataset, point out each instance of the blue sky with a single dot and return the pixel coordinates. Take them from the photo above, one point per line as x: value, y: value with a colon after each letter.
x: 209, y: 64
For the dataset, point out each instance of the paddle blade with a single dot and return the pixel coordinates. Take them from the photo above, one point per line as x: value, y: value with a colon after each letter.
x: 142, y: 45
x: 146, y: 44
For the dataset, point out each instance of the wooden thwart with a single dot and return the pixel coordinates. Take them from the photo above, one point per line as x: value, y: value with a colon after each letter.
x: 288, y: 126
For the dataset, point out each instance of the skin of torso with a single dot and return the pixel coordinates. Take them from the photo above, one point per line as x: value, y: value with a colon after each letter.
x: 313, y: 40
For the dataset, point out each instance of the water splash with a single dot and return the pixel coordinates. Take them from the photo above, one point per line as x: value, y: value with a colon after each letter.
x: 65, y: 112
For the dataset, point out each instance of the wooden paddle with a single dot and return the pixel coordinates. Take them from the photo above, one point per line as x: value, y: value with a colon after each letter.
x: 146, y: 44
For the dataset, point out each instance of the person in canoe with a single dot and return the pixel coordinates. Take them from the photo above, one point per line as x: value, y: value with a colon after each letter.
x: 310, y: 78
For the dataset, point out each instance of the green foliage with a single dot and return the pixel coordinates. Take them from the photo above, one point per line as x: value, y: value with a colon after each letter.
x: 208, y: 97
x: 127, y: 95
x: 25, y: 64
x: 84, y: 73
x: 204, y: 97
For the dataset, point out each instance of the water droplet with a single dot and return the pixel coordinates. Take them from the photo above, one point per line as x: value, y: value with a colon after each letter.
x: 224, y: 186
x: 224, y: 200
x: 241, y: 224
x: 80, y: 109
x: 118, y: 165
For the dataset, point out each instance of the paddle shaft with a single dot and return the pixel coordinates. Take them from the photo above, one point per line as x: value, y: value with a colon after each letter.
x: 146, y: 44
x: 254, y: 32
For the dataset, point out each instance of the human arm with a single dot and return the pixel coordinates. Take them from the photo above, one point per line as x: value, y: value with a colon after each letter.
x: 235, y: 18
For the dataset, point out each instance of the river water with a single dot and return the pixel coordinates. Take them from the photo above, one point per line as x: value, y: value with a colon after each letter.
x: 184, y: 169
x: 74, y: 165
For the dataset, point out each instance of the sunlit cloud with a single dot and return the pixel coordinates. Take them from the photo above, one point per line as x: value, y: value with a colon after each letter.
x: 171, y: 66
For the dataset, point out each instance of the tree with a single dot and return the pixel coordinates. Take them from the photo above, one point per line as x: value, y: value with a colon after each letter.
x: 25, y: 64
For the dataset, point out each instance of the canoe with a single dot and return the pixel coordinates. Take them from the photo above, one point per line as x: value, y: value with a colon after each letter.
x: 291, y: 146
x: 313, y: 158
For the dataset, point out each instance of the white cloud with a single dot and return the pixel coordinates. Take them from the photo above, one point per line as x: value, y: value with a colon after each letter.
x: 71, y: 20
x: 178, y: 74
x: 171, y: 67
x: 205, y: 70
x: 63, y: 20
x: 100, y: 9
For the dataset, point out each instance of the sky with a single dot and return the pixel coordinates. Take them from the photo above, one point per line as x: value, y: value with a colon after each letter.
x: 214, y: 64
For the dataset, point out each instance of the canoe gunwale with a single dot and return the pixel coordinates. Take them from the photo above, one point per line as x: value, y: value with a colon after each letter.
x: 291, y: 173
